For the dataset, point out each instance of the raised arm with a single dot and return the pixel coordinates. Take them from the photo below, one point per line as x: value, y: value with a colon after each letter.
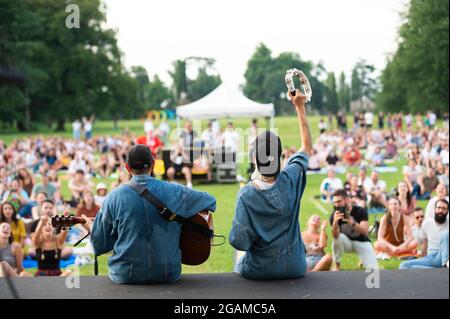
x: 305, y: 133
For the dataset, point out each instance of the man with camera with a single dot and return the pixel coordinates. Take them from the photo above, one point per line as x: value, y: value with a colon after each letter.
x: 350, y: 230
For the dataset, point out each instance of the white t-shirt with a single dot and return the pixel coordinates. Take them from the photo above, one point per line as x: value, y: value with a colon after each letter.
x: 369, y: 118
x: 413, y: 174
x: 429, y: 211
x: 76, y: 126
x: 431, y: 231
x: 148, y: 126
x: 333, y: 184
x: 231, y: 140
x: 76, y: 165
x: 370, y: 186
x: 444, y: 156
x: 432, y: 119
x: 87, y: 127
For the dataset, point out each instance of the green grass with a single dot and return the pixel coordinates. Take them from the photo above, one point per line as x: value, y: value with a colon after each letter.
x: 221, y: 259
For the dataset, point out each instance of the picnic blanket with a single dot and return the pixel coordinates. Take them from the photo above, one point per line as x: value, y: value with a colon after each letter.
x: 29, y: 262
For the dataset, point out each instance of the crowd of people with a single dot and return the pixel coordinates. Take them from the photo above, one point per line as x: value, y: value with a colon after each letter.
x: 363, y: 152
x: 415, y: 222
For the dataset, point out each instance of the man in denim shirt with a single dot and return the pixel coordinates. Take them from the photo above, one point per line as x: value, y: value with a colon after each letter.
x: 145, y: 245
x: 266, y: 223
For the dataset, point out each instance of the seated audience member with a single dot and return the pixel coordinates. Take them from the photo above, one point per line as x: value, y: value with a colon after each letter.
x: 395, y: 237
x: 350, y: 229
x: 18, y: 197
x: 407, y: 202
x: 26, y: 180
x: 435, y: 240
x: 47, y: 210
x: 79, y: 184
x: 53, y: 179
x: 376, y: 191
x: 352, y: 157
x: 44, y: 187
x: 315, y: 239
x: 8, y: 215
x: 102, y: 166
x: 391, y: 149
x: 441, y: 193
x: 377, y: 158
x: 102, y: 191
x: 122, y: 178
x: 77, y: 164
x: 152, y: 141
x: 416, y: 228
x: 411, y: 173
x: 314, y: 162
x: 11, y: 254
x: 201, y: 165
x: 48, y: 247
x: 363, y: 179
x: 332, y: 159
x: 87, y: 205
x: 444, y: 178
x: 356, y: 192
x: 425, y: 185
x: 36, y: 210
x: 330, y: 185
x: 180, y: 163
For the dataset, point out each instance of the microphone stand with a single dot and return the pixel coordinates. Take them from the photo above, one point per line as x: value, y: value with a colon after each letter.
x: 95, y: 256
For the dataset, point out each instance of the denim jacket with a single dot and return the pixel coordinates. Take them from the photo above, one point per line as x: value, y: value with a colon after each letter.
x: 145, y: 245
x: 266, y: 225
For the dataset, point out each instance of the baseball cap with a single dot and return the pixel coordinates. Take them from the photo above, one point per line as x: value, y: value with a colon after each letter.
x: 139, y: 157
x: 101, y: 186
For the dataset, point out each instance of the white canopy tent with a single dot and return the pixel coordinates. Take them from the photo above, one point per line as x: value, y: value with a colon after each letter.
x: 223, y: 102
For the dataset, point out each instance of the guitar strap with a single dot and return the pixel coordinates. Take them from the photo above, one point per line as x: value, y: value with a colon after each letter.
x: 166, y: 213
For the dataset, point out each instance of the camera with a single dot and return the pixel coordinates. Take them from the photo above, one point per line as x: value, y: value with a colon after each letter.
x: 343, y: 211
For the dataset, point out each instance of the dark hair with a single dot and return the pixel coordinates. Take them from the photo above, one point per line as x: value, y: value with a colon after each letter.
x: 48, y: 201
x: 14, y: 215
x: 408, y: 195
x: 441, y: 200
x: 418, y: 209
x: 341, y: 193
x: 79, y: 171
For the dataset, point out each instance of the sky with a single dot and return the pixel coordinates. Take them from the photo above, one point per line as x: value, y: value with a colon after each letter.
x: 154, y: 33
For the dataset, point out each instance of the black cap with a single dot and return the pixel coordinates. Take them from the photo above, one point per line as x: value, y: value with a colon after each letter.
x: 266, y: 149
x: 139, y: 157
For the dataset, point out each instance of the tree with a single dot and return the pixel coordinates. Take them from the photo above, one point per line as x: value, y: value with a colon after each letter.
x: 157, y: 93
x: 363, y: 85
x: 332, y: 99
x: 343, y: 93
x: 69, y: 72
x: 416, y: 77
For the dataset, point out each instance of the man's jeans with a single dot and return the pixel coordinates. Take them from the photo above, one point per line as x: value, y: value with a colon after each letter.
x: 435, y: 259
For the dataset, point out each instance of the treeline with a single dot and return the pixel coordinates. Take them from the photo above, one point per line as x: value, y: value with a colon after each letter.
x: 416, y: 76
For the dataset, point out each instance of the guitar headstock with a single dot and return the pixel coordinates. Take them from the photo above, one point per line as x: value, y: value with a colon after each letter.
x: 66, y: 221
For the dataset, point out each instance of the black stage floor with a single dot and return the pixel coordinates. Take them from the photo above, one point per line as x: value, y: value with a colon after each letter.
x: 416, y: 284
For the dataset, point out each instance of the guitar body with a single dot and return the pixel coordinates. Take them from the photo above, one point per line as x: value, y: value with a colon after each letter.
x: 196, y: 247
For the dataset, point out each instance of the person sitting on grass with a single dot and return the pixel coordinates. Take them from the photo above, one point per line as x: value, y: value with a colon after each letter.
x: 395, y: 237
x: 407, y: 201
x: 78, y: 185
x: 266, y: 222
x: 11, y: 254
x: 441, y: 193
x: 376, y: 190
x: 48, y: 247
x: 416, y: 228
x: 350, y: 229
x: 330, y: 185
x: 48, y: 211
x: 87, y: 205
x: 315, y: 239
x: 435, y: 240
x: 8, y: 215
x: 425, y: 185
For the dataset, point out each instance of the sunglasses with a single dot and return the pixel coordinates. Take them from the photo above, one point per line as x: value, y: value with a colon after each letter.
x: 420, y: 217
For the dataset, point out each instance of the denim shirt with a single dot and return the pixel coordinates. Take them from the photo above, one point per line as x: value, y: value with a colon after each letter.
x: 145, y: 245
x: 266, y: 225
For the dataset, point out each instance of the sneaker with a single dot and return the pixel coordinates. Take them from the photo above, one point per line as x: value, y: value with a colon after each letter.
x: 189, y: 185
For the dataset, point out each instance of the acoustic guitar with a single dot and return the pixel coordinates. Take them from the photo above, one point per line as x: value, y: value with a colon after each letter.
x: 195, y: 240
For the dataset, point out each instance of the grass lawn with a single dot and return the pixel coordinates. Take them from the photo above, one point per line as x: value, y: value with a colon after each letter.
x: 221, y: 259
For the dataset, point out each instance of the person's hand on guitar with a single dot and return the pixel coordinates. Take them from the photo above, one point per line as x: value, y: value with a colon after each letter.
x: 88, y: 223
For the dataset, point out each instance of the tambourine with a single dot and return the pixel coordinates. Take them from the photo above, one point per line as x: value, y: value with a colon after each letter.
x: 289, y: 78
